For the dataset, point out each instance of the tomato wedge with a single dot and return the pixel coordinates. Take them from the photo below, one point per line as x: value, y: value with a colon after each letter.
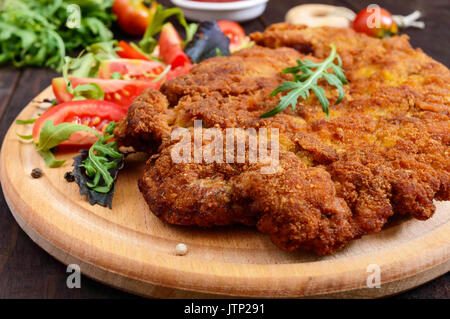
x: 179, y: 71
x: 234, y: 31
x: 121, y: 92
x: 94, y: 113
x: 128, y: 52
x: 171, y: 47
x: 130, y: 69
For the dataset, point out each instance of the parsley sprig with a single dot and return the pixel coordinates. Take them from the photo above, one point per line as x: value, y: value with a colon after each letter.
x: 305, y: 77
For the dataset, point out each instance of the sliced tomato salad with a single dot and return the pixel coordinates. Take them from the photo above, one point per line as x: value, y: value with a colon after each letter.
x: 94, y: 113
x: 121, y: 92
x: 233, y: 31
x: 179, y: 71
x: 128, y: 52
x: 130, y: 69
x: 171, y: 47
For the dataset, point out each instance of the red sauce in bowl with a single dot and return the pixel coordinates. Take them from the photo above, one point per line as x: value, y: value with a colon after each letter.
x: 216, y: 0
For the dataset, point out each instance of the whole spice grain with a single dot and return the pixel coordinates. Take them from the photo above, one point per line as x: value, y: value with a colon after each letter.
x: 36, y: 173
x: 68, y: 176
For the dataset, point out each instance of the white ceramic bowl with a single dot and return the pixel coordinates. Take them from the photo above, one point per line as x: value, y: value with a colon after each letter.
x: 239, y: 11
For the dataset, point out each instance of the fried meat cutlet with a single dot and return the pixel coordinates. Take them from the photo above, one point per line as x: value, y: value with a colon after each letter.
x: 384, y: 149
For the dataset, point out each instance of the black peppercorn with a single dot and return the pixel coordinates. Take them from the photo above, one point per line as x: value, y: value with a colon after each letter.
x: 69, y: 177
x: 36, y: 173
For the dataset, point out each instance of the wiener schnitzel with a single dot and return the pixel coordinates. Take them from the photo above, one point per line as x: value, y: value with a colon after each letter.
x: 384, y: 149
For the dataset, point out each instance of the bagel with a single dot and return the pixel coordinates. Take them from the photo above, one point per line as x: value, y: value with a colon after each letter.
x: 317, y: 15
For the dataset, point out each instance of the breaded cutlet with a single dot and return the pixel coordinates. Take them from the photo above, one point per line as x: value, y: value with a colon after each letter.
x: 383, y: 150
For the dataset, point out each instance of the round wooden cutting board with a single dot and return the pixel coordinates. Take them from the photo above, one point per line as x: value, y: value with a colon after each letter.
x: 129, y: 248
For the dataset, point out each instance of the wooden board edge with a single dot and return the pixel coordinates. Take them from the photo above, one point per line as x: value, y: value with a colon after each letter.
x: 148, y: 290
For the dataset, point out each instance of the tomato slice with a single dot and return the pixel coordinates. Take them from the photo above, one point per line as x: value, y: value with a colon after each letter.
x: 94, y: 113
x: 234, y: 31
x: 179, y: 71
x: 121, y: 92
x: 171, y: 47
x: 128, y: 52
x: 130, y: 69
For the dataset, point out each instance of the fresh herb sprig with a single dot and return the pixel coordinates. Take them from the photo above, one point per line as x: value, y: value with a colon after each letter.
x: 103, y: 156
x: 87, y: 63
x: 40, y: 32
x: 149, y: 42
x: 53, y: 135
x: 305, y: 77
x: 96, y: 169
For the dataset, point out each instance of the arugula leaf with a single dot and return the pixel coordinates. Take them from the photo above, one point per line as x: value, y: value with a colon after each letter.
x: 305, y: 77
x: 35, y: 32
x: 116, y: 76
x: 87, y: 63
x: 50, y: 159
x: 25, y: 137
x: 148, y: 42
x: 99, y: 162
x: 91, y: 91
x: 82, y: 179
x: 53, y: 135
x: 23, y: 122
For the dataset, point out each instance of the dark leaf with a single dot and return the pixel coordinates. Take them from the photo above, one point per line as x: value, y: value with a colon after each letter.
x: 207, y: 42
x: 82, y: 179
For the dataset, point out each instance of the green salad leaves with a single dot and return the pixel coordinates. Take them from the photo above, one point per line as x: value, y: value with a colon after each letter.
x: 103, y: 156
x: 96, y: 169
x: 53, y: 135
x: 149, y: 42
x: 40, y: 32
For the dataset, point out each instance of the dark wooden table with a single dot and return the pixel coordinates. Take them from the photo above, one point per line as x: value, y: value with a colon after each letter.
x: 27, y: 271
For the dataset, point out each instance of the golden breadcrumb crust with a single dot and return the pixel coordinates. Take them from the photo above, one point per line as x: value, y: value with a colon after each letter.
x: 383, y: 151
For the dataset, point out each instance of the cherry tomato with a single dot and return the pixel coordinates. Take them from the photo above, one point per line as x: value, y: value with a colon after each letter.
x: 365, y: 22
x: 134, y: 16
x: 94, y: 113
x: 234, y: 31
x: 171, y: 47
x: 128, y: 52
x: 130, y: 69
x: 121, y: 92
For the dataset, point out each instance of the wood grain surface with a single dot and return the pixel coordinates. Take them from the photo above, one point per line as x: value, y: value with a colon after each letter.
x: 27, y: 271
x: 129, y: 248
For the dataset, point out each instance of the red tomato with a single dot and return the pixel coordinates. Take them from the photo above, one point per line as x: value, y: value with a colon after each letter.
x: 94, y: 113
x: 128, y: 52
x: 179, y: 71
x: 134, y: 16
x: 366, y: 18
x: 121, y: 92
x: 234, y: 31
x: 171, y: 47
x: 130, y: 69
